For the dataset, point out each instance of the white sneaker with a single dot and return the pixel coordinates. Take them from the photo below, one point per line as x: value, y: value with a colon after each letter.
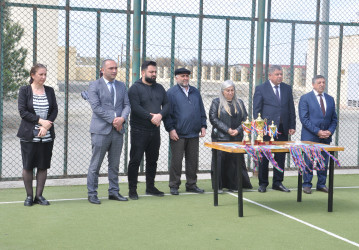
x: 220, y: 191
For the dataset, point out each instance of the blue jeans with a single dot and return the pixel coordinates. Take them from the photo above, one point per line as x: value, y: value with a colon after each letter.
x: 321, y: 174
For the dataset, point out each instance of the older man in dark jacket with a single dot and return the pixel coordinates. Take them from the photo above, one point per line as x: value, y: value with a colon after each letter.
x: 185, y: 124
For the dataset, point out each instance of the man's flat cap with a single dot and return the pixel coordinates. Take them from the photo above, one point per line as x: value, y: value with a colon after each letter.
x: 182, y: 71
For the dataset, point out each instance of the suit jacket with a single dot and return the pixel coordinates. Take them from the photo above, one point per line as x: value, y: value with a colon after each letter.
x: 266, y: 103
x: 312, y: 118
x: 103, y: 110
x: 27, y: 113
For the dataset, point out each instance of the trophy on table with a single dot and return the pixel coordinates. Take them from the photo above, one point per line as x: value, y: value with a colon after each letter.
x: 247, y: 130
x: 273, y: 130
x: 259, y: 122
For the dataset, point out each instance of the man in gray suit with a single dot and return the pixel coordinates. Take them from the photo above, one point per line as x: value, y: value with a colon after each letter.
x: 111, y: 107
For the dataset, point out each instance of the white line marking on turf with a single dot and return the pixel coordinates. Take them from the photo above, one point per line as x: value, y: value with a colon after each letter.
x: 145, y: 195
x: 299, y: 220
x: 101, y: 198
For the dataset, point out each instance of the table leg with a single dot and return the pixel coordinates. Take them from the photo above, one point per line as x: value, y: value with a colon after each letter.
x: 331, y: 184
x: 215, y: 176
x: 299, y: 192
x: 240, y: 190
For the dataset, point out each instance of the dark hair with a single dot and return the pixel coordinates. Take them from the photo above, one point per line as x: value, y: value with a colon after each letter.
x: 273, y: 68
x: 104, y: 62
x: 317, y: 77
x: 145, y: 64
x: 34, y: 70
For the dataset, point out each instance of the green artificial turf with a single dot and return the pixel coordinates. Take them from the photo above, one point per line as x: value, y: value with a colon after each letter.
x: 180, y: 222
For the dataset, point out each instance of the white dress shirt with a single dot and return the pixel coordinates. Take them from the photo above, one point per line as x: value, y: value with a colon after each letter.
x: 273, y: 87
x: 318, y: 99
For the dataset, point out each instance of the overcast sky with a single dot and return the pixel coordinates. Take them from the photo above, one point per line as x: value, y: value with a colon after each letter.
x: 113, y: 27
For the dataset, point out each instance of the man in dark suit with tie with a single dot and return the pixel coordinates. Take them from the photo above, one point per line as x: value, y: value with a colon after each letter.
x: 274, y: 101
x: 319, y: 121
x: 111, y: 107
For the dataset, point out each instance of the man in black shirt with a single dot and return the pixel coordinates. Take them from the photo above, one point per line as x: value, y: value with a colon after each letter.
x: 148, y: 106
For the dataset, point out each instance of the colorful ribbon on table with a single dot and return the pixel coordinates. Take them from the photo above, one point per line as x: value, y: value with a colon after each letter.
x: 256, y: 154
x: 314, y: 154
x: 330, y: 155
x: 268, y: 154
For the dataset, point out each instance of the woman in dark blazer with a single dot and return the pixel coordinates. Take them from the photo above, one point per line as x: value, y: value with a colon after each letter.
x: 226, y: 116
x: 38, y: 110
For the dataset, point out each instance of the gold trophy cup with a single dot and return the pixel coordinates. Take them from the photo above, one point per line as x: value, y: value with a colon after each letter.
x: 273, y: 129
x: 259, y: 125
x: 248, y: 125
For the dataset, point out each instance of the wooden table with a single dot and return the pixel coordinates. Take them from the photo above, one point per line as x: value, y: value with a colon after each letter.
x: 218, y: 147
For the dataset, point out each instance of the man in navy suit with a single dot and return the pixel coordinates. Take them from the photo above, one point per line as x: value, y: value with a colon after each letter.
x: 110, y: 109
x: 319, y: 121
x: 274, y: 101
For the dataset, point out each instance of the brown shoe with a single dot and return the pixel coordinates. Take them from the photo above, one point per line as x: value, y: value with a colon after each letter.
x: 307, y: 190
x: 323, y: 189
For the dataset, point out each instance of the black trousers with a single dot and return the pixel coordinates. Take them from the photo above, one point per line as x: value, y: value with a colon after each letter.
x: 148, y: 143
x: 278, y: 157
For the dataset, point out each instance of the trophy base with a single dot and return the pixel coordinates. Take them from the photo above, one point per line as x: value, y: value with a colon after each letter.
x: 245, y: 143
x: 258, y: 142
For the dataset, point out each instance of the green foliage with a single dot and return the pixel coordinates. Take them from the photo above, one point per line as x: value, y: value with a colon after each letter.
x: 15, y: 74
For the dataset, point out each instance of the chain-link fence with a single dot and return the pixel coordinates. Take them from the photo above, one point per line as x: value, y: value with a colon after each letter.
x: 216, y: 40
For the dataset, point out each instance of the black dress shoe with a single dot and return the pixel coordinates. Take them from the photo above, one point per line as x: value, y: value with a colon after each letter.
x: 41, y: 201
x: 307, y: 190
x: 28, y: 202
x: 195, y: 189
x: 154, y: 191
x: 117, y: 197
x: 132, y: 194
x: 94, y: 200
x: 323, y: 189
x: 174, y: 191
x: 281, y: 188
x: 262, y: 189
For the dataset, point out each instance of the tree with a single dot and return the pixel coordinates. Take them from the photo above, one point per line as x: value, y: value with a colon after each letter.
x: 15, y: 74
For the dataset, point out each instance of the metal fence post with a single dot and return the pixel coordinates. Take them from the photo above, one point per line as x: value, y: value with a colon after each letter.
x: 316, y: 41
x: 34, y: 31
x: 339, y: 79
x: 2, y: 26
x: 66, y: 105
x: 136, y: 58
x: 226, y: 50
x: 260, y: 42
x: 269, y: 11
x: 173, y: 45
x: 98, y: 44
x: 200, y: 35
x: 144, y: 30
x: 251, y: 59
x: 291, y: 81
x: 173, y: 48
x: 128, y: 59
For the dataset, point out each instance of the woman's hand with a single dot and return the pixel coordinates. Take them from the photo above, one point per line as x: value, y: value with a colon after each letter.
x: 232, y: 132
x: 45, y: 124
